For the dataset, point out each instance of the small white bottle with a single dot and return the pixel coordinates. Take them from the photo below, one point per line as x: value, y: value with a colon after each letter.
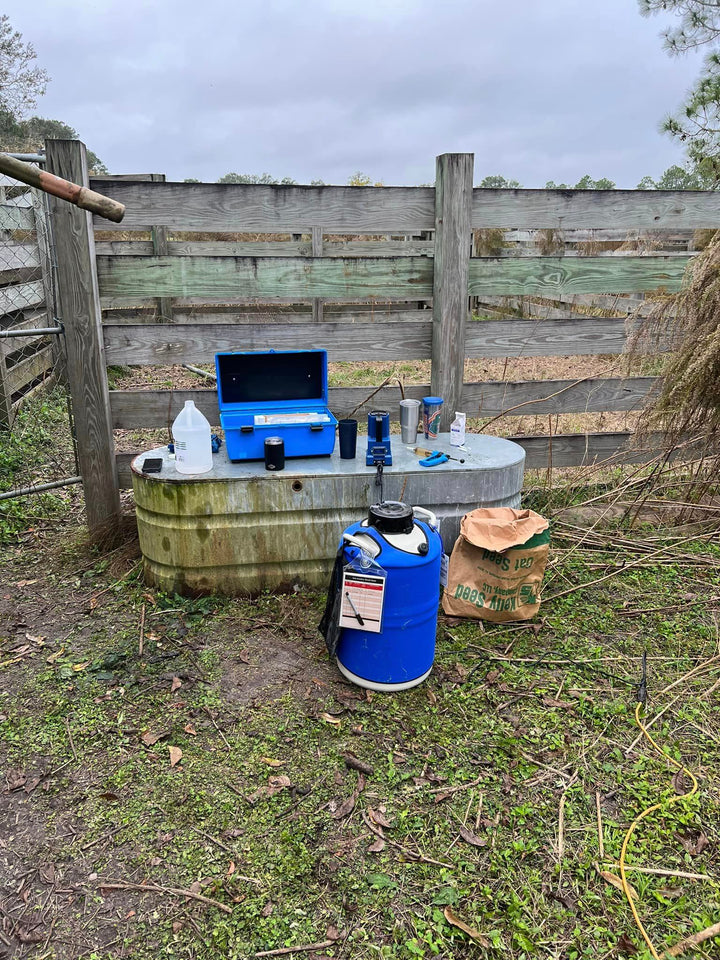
x: 457, y: 430
x: 191, y: 436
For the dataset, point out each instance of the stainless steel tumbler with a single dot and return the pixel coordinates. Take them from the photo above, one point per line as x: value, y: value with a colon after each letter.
x: 409, y: 420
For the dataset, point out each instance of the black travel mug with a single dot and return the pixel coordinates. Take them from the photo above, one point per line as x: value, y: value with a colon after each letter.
x: 348, y: 438
x: 274, y: 453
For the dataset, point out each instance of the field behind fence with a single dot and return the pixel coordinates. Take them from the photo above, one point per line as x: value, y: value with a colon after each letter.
x: 370, y: 274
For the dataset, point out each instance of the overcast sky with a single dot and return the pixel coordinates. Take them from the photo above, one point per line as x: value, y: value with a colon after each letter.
x: 536, y: 89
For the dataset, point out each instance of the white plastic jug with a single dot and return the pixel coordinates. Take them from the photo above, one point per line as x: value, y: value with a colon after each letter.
x: 191, y: 436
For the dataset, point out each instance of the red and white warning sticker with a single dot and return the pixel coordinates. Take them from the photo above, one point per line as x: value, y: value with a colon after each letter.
x: 363, y: 597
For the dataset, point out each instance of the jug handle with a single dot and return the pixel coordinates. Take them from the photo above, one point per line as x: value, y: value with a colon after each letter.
x: 427, y: 515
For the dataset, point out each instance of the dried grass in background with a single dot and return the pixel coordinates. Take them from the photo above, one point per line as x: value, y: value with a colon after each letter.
x: 687, y: 403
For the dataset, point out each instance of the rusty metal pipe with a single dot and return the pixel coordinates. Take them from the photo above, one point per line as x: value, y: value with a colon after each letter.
x: 72, y: 192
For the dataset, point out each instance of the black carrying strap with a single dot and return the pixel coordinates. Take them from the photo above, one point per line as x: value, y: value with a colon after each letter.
x: 329, y: 626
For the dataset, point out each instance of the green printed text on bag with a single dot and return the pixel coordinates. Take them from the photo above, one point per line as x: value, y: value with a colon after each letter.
x: 497, y: 565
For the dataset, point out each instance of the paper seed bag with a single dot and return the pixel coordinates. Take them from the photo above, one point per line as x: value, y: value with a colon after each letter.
x: 497, y: 565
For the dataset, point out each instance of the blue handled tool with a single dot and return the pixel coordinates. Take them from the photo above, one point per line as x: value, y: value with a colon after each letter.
x: 435, y: 458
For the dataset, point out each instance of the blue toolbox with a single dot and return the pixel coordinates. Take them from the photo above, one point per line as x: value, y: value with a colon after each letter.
x: 275, y: 394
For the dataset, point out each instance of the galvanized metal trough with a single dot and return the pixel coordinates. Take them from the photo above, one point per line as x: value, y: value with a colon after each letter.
x: 240, y: 529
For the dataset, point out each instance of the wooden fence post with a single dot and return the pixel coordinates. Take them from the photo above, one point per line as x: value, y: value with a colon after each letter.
x: 79, y: 304
x: 159, y: 236
x: 317, y: 251
x: 453, y: 234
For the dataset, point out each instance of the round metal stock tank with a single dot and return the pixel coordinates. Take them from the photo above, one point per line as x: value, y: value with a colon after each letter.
x: 240, y: 529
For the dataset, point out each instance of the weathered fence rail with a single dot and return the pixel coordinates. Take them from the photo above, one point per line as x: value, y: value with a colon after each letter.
x: 217, y: 266
x: 25, y: 295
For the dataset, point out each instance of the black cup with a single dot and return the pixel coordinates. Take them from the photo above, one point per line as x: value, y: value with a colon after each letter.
x: 348, y: 438
x: 274, y: 453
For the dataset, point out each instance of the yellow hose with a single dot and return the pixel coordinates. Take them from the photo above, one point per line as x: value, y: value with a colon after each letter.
x: 643, y: 815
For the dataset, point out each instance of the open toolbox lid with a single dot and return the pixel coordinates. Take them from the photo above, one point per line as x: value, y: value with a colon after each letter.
x: 273, y: 380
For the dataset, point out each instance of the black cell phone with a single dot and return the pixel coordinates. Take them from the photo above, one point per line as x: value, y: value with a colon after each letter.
x: 152, y: 465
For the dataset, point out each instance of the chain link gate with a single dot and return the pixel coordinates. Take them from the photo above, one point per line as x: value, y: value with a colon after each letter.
x: 37, y: 450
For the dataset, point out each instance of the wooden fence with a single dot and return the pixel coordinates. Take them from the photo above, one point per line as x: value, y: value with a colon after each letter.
x: 25, y: 294
x: 193, y: 276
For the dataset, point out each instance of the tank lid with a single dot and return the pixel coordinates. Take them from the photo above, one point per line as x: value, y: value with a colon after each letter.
x: 391, y: 516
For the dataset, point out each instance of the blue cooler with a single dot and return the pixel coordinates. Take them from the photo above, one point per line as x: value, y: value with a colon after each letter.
x: 275, y: 394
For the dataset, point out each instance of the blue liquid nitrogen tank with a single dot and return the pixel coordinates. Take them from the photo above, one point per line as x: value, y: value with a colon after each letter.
x: 409, y: 551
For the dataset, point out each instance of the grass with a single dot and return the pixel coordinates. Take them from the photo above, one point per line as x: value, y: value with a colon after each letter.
x: 515, y: 721
x: 38, y: 449
x: 470, y: 771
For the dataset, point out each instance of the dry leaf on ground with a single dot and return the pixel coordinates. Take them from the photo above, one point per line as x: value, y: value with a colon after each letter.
x: 471, y: 838
x: 377, y: 817
x: 329, y: 718
x: 453, y: 919
x: 176, y: 755
x: 616, y: 882
x: 347, y: 806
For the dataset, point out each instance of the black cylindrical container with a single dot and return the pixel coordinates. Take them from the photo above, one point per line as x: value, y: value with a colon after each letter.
x: 347, y: 430
x: 274, y: 453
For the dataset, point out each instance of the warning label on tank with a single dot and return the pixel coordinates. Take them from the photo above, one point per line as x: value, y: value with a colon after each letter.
x: 363, y: 596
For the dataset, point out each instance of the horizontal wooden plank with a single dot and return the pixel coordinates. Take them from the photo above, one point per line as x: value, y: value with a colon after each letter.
x: 22, y: 296
x: 266, y: 278
x: 16, y: 218
x: 19, y: 274
x: 28, y: 370
x: 268, y: 248
x: 545, y: 338
x: 164, y: 344
x: 32, y: 320
x: 18, y: 256
x: 547, y: 275
x: 609, y: 235
x: 244, y: 208
x: 604, y: 209
x: 566, y: 450
x: 530, y: 397
x: 582, y: 449
x: 136, y: 409
x: 124, y: 279
x: 240, y: 316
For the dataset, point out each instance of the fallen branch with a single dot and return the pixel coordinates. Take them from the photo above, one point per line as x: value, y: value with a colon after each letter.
x: 283, y: 951
x: 601, y: 842
x: 627, y: 566
x: 660, y: 872
x: 695, y: 940
x: 462, y: 786
x: 141, y: 641
x: 156, y: 888
x: 222, y: 735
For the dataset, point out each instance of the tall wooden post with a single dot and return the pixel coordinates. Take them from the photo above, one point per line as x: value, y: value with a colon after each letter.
x: 79, y: 307
x: 317, y: 251
x: 159, y: 237
x: 453, y: 223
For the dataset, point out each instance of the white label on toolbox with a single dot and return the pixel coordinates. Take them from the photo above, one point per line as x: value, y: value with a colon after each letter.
x: 363, y: 596
x: 280, y: 419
